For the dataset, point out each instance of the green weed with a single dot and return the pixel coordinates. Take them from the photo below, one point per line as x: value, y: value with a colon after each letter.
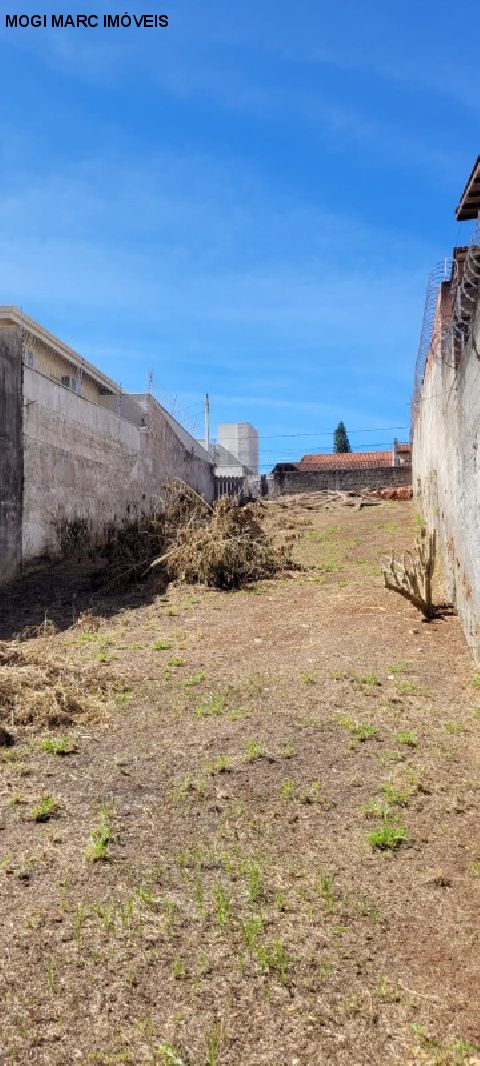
x: 222, y: 905
x: 254, y: 751
x: 171, y: 1056
x: 251, y: 928
x: 407, y: 737
x: 213, y: 706
x: 101, y: 836
x: 387, y: 837
x: 58, y: 746
x: 44, y: 809
x: 273, y: 959
x: 358, y: 731
x: 195, y: 679
x: 162, y: 645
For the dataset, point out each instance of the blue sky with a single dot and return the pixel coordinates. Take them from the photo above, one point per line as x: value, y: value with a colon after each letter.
x: 247, y: 203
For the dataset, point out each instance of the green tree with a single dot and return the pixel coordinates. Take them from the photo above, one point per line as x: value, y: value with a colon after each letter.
x: 341, y: 442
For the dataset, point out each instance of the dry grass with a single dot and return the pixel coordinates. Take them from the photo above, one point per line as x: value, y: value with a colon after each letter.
x: 39, y: 689
x: 226, y: 548
x: 205, y: 888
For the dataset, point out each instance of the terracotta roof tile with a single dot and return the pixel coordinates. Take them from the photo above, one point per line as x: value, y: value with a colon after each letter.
x: 340, y: 460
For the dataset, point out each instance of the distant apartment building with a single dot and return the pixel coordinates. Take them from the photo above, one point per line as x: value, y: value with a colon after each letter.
x: 78, y: 455
x: 240, y: 439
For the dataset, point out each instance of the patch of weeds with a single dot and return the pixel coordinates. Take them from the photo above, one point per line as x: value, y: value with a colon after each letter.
x: 171, y: 1056
x: 325, y: 887
x: 102, y: 656
x: 368, y: 680
x: 273, y: 959
x: 219, y: 766
x: 222, y: 905
x: 212, y: 1045
x: 454, y: 728
x: 397, y: 797
x: 195, y: 679
x: 45, y: 808
x: 162, y: 645
x: 124, y: 696
x: 280, y: 901
x: 391, y: 757
x: 176, y: 661
x: 189, y: 785
x: 238, y: 714
x: 309, y: 679
x: 101, y: 836
x: 254, y: 751
x: 359, y: 731
x: 251, y: 928
x: 453, y: 1054
x: 287, y: 790
x: 476, y: 680
x: 178, y: 969
x: 103, y: 1058
x: 387, y: 837
x: 408, y: 737
x: 369, y: 910
x: 287, y: 752
x: 58, y: 745
x: 376, y: 809
x: 396, y: 668
x: 389, y: 527
x: 314, y: 794
x: 254, y: 875
x: 386, y: 990
x: 407, y: 688
x: 213, y: 706
x: 475, y: 868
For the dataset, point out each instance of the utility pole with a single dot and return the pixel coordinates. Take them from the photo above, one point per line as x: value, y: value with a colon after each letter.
x: 207, y: 423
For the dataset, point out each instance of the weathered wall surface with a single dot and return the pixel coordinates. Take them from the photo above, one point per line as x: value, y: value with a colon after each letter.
x: 446, y: 473
x: 169, y: 451
x: 86, y: 468
x: 378, y: 477
x: 11, y: 464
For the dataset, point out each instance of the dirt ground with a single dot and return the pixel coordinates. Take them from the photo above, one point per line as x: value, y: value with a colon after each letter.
x: 263, y: 850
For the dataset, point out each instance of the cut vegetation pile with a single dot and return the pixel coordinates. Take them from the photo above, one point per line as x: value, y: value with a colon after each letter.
x: 223, y: 546
x: 39, y: 689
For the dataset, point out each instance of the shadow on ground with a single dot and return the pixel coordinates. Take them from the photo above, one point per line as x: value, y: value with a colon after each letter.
x: 61, y: 592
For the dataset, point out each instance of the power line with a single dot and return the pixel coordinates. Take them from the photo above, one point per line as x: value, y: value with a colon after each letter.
x: 329, y: 432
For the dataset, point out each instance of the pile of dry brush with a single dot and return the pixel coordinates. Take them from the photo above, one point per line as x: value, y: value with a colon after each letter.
x: 39, y: 688
x: 223, y: 546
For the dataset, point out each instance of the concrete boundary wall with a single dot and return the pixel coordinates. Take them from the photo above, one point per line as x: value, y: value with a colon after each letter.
x: 351, y: 479
x: 446, y: 469
x: 71, y: 469
x: 11, y: 453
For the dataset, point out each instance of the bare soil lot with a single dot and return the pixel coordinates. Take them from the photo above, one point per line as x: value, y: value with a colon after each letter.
x: 255, y: 842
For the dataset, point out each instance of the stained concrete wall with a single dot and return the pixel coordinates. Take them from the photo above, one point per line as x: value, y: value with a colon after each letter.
x: 86, y: 468
x: 378, y: 477
x: 446, y: 475
x: 11, y: 466
x: 70, y: 469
